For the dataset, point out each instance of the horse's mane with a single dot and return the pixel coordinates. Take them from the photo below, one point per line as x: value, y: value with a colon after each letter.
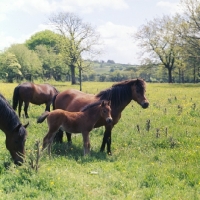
x: 120, y: 92
x: 92, y: 105
x: 8, y: 115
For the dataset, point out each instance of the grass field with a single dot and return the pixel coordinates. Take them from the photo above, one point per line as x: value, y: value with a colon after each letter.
x: 156, y: 153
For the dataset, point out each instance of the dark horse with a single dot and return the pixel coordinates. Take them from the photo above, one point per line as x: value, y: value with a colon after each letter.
x: 33, y: 93
x: 75, y: 122
x: 120, y: 95
x: 15, y: 132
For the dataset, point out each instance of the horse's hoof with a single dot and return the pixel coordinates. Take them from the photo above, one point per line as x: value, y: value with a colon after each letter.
x: 109, y: 153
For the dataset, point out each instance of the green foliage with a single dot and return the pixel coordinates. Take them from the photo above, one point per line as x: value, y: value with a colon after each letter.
x: 28, y: 59
x: 9, y: 67
x: 46, y: 38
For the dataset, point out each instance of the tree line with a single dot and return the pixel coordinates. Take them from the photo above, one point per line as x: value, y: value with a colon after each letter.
x: 169, y: 51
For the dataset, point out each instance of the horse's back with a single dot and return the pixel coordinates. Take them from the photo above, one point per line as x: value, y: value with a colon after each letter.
x: 37, y: 93
x: 26, y: 90
x: 73, y: 100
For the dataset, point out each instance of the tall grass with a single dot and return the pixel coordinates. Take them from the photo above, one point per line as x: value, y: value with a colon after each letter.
x: 156, y: 152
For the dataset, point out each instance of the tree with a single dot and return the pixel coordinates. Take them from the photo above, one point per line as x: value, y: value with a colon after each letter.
x: 189, y: 32
x: 46, y: 38
x: 158, y: 39
x: 9, y: 67
x: 78, y: 38
x: 28, y: 59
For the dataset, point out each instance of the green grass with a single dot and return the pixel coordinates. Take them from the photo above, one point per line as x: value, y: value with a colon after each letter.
x: 160, y: 163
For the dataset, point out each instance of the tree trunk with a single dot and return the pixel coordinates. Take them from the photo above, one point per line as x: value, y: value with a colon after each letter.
x: 182, y: 76
x: 194, y: 74
x: 73, y: 78
x: 169, y: 74
x: 80, y: 77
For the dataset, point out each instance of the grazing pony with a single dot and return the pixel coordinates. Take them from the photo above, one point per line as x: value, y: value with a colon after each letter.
x: 15, y: 132
x: 120, y: 95
x: 76, y: 122
x: 33, y: 93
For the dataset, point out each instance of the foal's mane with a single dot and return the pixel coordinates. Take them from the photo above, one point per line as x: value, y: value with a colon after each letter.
x: 92, y: 105
x: 120, y: 92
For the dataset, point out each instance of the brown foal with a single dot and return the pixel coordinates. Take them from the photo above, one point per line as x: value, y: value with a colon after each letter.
x: 75, y: 122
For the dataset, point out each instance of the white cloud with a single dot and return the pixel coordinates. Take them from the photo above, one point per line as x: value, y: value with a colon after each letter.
x: 6, y: 41
x: 48, y: 6
x: 173, y: 7
x: 118, y: 44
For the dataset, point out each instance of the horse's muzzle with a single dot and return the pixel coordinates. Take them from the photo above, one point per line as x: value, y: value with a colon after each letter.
x: 145, y: 104
x: 109, y: 120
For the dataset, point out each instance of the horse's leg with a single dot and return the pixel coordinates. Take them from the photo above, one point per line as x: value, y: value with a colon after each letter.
x: 48, y: 106
x: 86, y: 143
x: 69, y: 137
x: 107, y: 140
x: 59, y: 136
x: 26, y: 104
x: 20, y: 107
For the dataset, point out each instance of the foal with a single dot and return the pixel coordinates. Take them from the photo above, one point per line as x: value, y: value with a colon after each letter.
x: 75, y: 122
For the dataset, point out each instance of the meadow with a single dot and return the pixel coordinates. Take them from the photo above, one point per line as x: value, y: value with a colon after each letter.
x: 155, y: 152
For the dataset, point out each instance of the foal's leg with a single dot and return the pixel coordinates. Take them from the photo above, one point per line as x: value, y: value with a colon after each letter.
x: 47, y: 141
x: 86, y: 143
x: 26, y: 104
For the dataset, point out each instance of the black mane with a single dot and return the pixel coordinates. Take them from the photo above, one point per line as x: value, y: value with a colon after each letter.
x: 8, y: 116
x: 121, y: 91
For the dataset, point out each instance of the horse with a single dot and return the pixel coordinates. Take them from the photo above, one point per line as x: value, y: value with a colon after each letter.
x: 15, y: 132
x: 75, y: 122
x: 120, y: 94
x: 33, y: 93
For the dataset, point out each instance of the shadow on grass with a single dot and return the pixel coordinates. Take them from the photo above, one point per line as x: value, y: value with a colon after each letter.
x: 73, y: 152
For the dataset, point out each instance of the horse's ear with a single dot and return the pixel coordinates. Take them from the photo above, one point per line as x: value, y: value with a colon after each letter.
x: 17, y: 127
x: 109, y: 103
x: 26, y: 125
x: 102, y: 103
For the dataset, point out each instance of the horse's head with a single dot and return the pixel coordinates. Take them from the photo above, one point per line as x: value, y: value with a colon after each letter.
x: 15, y: 142
x: 106, y: 111
x: 138, y: 93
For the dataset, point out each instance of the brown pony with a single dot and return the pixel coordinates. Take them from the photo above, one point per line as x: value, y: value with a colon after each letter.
x: 120, y: 95
x: 75, y: 122
x: 15, y: 132
x: 33, y: 93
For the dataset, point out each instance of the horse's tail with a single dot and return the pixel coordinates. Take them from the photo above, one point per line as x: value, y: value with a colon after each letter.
x: 53, y: 101
x: 43, y: 117
x: 16, y: 97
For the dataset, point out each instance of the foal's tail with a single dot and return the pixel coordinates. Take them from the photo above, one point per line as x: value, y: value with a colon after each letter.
x: 16, y: 97
x: 43, y: 117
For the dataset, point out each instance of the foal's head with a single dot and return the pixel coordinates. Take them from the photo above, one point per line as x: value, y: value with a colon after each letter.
x: 105, y: 111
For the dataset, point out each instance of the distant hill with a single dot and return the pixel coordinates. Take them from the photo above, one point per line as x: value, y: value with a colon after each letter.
x: 107, y: 67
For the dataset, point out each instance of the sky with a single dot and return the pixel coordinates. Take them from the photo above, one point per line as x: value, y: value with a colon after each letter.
x: 114, y: 20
